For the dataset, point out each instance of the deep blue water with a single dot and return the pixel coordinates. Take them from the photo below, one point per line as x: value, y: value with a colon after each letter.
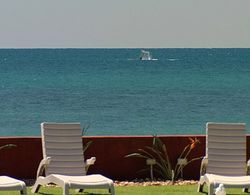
x: 117, y: 94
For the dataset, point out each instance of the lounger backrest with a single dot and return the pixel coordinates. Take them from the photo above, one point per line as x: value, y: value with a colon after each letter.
x: 226, y: 148
x: 63, y: 143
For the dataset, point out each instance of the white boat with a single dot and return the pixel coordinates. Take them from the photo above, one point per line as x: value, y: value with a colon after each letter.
x: 145, y: 55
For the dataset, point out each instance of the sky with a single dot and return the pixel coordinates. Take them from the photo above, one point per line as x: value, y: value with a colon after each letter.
x: 124, y: 24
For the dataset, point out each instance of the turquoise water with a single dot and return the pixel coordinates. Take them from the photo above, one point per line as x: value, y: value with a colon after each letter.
x: 117, y: 94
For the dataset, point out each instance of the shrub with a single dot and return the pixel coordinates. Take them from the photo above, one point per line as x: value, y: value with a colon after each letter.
x: 157, y: 157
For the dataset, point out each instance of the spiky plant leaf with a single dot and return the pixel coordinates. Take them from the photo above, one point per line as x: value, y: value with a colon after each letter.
x: 86, y: 146
x: 7, y: 146
x: 139, y: 155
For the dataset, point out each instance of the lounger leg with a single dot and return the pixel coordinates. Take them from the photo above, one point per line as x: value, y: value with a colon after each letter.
x: 200, y: 187
x: 112, y: 190
x: 210, y: 189
x: 36, y: 188
x: 66, y: 189
x: 23, y: 192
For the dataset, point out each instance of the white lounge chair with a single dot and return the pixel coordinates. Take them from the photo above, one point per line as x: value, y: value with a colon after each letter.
x: 225, y: 161
x: 63, y: 160
x: 8, y: 184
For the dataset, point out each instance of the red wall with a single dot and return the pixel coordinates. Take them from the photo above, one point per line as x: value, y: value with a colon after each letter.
x: 110, y: 152
x: 23, y: 160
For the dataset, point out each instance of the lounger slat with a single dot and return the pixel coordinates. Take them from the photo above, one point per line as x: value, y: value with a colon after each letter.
x: 229, y: 139
x: 72, y: 158
x: 62, y: 164
x: 67, y: 171
x: 232, y: 164
x: 62, y: 145
x: 226, y: 171
x: 71, y: 133
x: 226, y: 133
x: 232, y: 152
x: 61, y: 139
x: 61, y: 126
x: 227, y: 158
x: 226, y: 126
x: 226, y: 146
x: 65, y: 152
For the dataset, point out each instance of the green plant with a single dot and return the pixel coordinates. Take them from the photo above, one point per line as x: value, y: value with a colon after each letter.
x: 162, y: 164
x: 7, y: 146
x: 178, y: 171
x: 85, y: 145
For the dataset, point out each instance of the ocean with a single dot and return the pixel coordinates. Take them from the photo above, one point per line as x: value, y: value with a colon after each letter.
x: 114, y: 93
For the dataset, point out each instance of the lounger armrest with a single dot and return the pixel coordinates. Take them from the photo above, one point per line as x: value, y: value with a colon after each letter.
x: 203, y: 166
x: 248, y: 167
x: 44, y: 162
x: 89, y: 162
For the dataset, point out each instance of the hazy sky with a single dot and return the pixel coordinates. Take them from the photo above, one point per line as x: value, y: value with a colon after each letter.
x: 124, y: 23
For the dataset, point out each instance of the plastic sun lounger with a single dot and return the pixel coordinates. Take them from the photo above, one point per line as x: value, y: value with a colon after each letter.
x: 63, y: 160
x: 225, y: 160
x: 9, y: 184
